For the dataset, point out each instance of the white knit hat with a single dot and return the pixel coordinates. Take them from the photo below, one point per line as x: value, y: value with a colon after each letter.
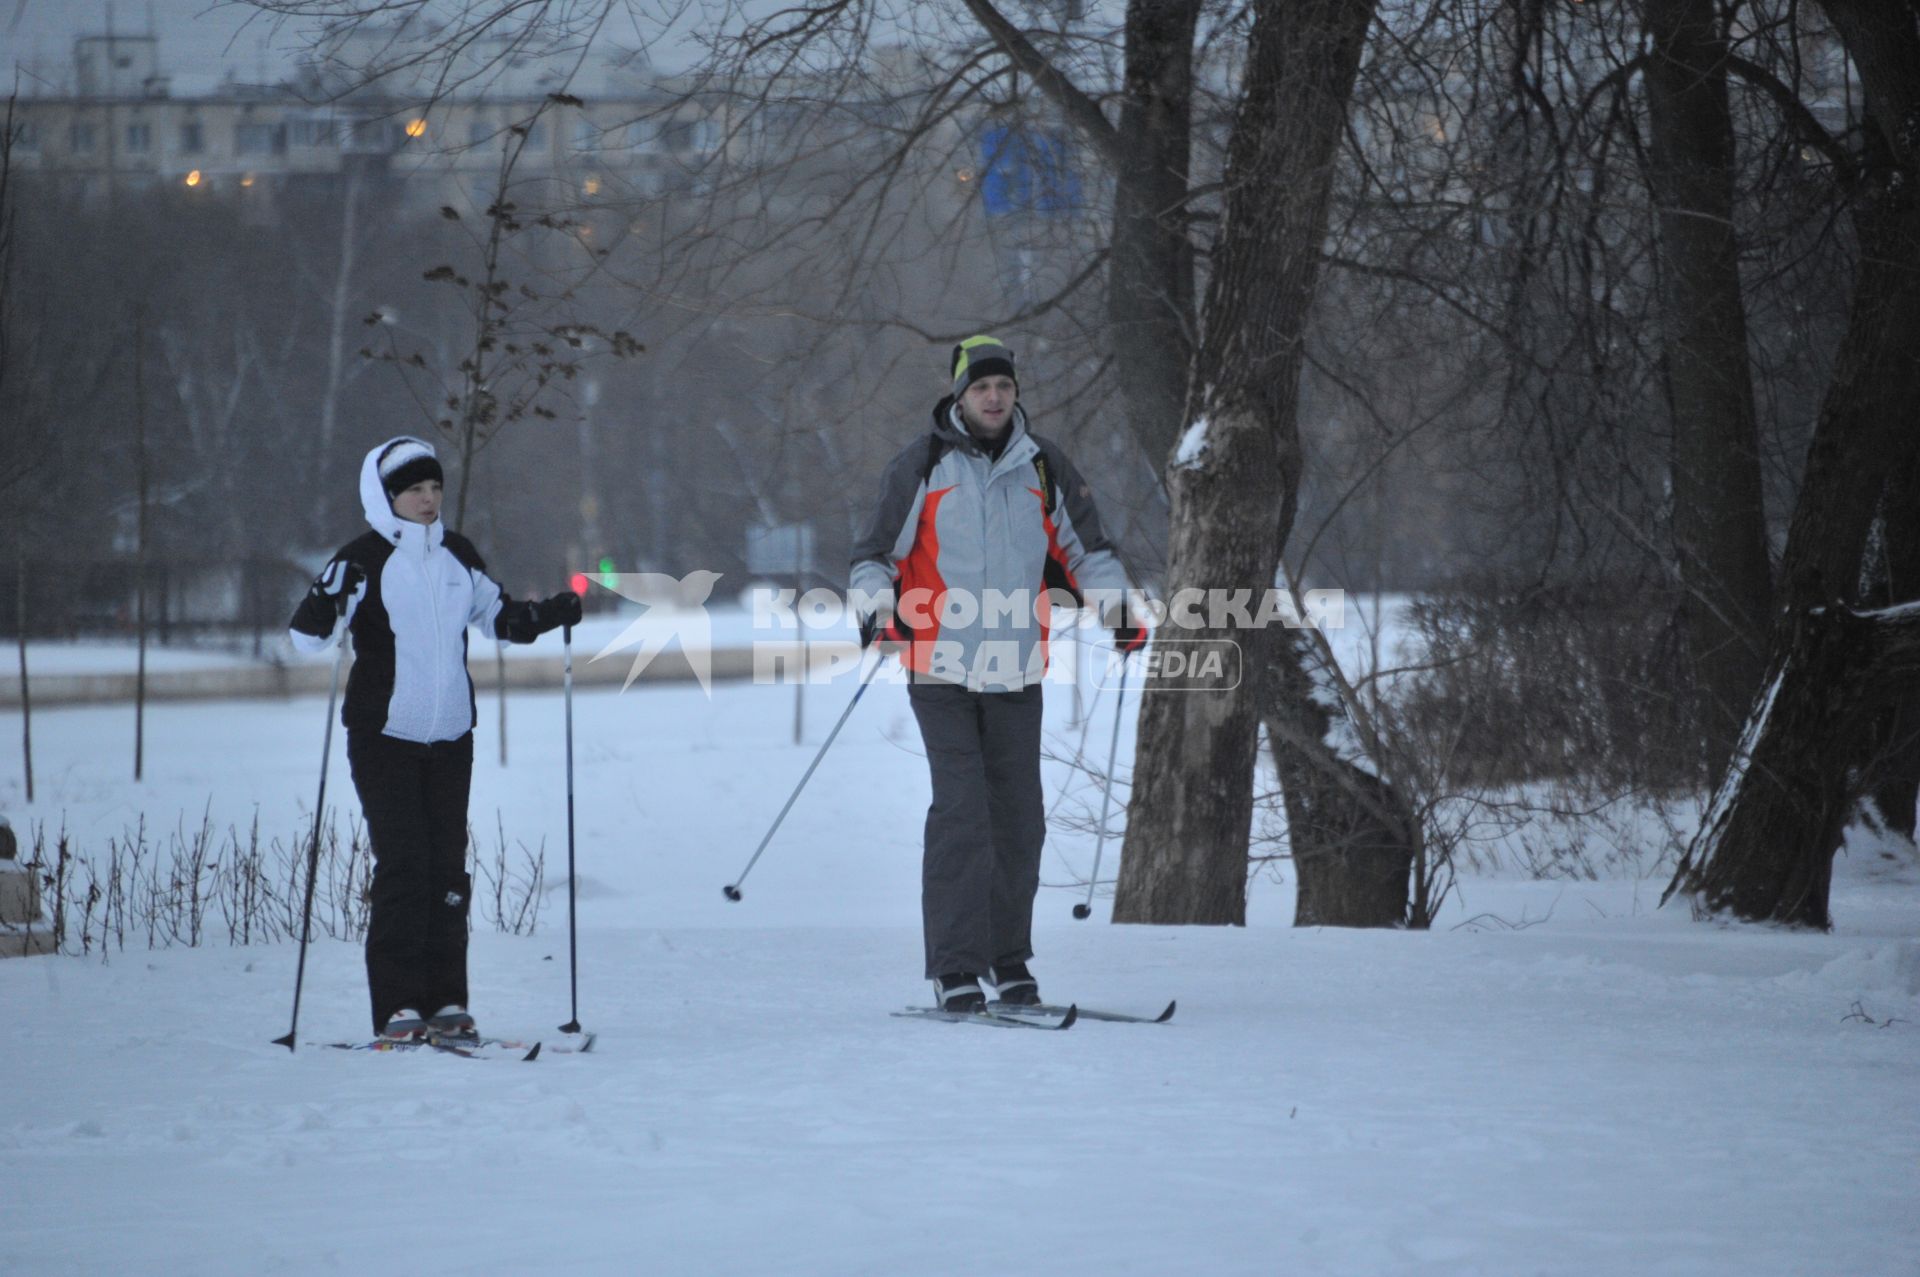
x: 405, y: 462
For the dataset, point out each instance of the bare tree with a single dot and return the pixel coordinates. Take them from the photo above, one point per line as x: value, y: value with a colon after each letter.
x: 16, y: 468
x: 1235, y: 483
x: 1719, y: 530
x: 1765, y: 850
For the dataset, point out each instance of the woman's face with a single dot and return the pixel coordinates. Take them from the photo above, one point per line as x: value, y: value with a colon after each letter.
x: 420, y: 503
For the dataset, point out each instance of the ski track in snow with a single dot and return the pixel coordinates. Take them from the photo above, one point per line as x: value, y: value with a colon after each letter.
x: 1612, y: 1089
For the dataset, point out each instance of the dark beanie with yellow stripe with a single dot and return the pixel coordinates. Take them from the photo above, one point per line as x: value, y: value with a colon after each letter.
x: 978, y: 357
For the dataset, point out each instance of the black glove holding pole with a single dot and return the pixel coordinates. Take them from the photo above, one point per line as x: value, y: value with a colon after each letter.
x: 871, y: 629
x: 525, y: 622
x: 328, y: 597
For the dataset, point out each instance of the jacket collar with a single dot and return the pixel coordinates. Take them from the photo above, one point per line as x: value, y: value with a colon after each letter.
x: 948, y: 427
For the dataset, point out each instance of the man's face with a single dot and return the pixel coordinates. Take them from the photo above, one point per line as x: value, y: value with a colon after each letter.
x: 987, y: 405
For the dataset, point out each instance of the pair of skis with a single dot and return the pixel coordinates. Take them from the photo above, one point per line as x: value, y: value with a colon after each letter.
x: 1045, y: 1015
x: 478, y: 1048
x: 1003, y: 1015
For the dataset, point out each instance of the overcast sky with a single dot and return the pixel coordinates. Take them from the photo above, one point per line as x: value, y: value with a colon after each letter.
x: 199, y: 39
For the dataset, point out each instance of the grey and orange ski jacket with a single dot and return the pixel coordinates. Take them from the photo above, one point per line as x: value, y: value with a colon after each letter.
x: 966, y: 546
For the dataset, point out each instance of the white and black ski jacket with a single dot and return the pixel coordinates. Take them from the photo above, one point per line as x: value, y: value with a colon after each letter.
x: 424, y: 586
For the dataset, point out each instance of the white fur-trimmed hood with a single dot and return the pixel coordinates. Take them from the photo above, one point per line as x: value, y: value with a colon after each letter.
x: 379, y: 511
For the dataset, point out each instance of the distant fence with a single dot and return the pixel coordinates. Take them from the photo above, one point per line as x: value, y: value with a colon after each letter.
x: 248, y: 599
x: 274, y: 681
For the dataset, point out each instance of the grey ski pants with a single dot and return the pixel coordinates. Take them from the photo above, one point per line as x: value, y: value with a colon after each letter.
x: 985, y: 828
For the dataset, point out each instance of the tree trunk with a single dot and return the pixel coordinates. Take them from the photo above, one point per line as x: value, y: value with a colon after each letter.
x: 1189, y: 819
x: 1894, y: 774
x: 1352, y: 836
x: 1233, y: 490
x: 142, y: 488
x: 1765, y: 851
x: 1719, y: 525
x: 1150, y: 269
x: 20, y: 619
x: 342, y: 296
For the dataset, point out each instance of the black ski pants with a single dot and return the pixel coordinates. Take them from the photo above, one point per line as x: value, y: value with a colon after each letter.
x: 985, y: 828
x: 415, y: 800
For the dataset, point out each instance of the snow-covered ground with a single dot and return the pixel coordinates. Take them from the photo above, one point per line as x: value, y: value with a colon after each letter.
x: 1559, y: 1079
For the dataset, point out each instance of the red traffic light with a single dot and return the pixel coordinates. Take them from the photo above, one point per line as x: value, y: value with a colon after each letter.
x: 579, y: 584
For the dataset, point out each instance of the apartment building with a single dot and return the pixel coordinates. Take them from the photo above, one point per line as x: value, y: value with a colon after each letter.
x: 124, y: 128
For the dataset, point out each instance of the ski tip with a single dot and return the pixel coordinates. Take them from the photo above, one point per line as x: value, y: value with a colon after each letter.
x: 1073, y: 1013
x: 586, y: 1043
x: 531, y: 1055
x: 1167, y: 1014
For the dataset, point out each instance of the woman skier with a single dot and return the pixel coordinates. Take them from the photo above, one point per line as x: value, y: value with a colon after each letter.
x: 407, y: 590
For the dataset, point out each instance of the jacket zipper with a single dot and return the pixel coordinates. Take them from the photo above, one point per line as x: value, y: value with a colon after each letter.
x: 433, y: 596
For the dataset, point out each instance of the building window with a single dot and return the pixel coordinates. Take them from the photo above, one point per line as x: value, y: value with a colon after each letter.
x: 680, y: 136
x: 478, y: 131
x: 536, y: 135
x: 27, y: 137
x: 193, y: 138
x: 586, y: 135
x: 79, y: 137
x: 369, y: 135
x: 139, y: 137
x: 313, y: 131
x: 257, y: 138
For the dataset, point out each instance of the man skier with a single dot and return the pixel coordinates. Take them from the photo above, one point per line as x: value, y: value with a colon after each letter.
x: 977, y: 519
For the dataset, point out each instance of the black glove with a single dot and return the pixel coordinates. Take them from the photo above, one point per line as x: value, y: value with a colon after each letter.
x: 334, y: 587
x: 525, y: 622
x: 562, y: 609
x: 870, y: 629
x: 1128, y: 637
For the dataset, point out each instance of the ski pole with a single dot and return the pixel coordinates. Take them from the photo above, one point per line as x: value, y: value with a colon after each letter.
x: 313, y: 850
x: 573, y: 951
x: 732, y: 889
x: 1084, y: 909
